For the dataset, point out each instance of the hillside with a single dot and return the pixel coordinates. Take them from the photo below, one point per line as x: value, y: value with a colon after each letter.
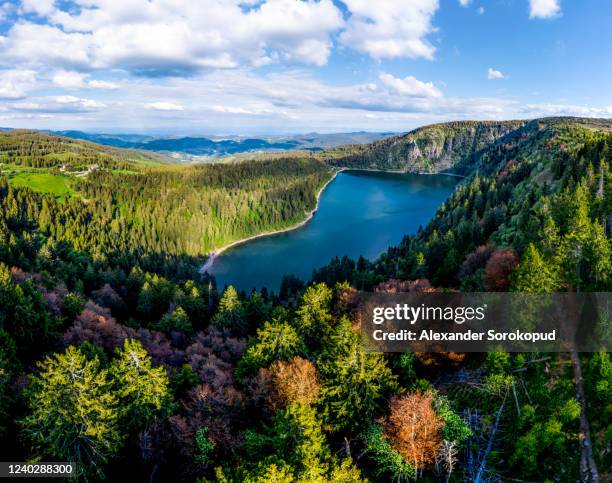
x: 53, y: 164
x: 128, y: 208
x: 508, y: 182
x: 534, y: 215
x: 454, y: 147
x: 42, y: 150
x: 180, y: 381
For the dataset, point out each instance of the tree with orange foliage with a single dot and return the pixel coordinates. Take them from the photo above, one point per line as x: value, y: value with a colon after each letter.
x: 413, y: 428
x: 296, y: 381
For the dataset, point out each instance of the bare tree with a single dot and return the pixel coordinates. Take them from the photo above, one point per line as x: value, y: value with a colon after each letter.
x: 447, y: 456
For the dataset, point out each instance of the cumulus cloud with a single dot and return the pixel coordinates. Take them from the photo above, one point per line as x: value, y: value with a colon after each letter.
x: 45, y: 45
x: 388, y: 29
x: 544, y: 8
x: 464, y: 3
x: 182, y: 36
x: 299, y: 95
x: 494, y: 74
x: 5, y: 9
x: 410, y: 86
x: 480, y: 10
x: 288, y: 101
x: 15, y: 83
x: 162, y: 38
x: 164, y: 106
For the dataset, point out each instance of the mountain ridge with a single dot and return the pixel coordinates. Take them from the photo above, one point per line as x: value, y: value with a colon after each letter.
x: 454, y: 147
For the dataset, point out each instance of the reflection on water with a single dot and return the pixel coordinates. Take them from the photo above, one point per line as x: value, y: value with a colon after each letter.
x: 360, y: 213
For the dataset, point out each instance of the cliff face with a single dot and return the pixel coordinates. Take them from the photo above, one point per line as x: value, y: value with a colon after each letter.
x: 461, y: 147
x: 430, y: 149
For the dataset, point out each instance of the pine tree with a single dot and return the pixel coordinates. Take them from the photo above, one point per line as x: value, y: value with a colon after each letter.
x: 231, y: 313
x: 354, y: 381
x: 141, y: 389
x: 276, y: 341
x: 313, y: 315
x: 534, y: 275
x: 73, y: 415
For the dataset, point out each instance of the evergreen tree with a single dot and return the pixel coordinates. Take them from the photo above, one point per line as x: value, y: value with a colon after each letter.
x: 313, y: 315
x: 73, y: 415
x: 277, y: 341
x: 141, y: 389
x: 230, y: 313
x: 533, y: 274
x: 355, y: 382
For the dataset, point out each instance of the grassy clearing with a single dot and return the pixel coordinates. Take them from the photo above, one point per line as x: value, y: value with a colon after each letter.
x: 60, y: 186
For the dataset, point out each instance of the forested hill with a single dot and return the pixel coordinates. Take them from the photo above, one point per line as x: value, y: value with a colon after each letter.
x: 516, y: 186
x: 456, y: 147
x: 111, y: 361
x: 126, y: 209
x: 535, y: 217
x: 36, y: 149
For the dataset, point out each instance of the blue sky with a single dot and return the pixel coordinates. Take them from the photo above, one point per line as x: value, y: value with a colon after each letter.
x: 291, y: 66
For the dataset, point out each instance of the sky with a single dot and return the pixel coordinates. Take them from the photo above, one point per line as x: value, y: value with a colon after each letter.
x: 295, y: 66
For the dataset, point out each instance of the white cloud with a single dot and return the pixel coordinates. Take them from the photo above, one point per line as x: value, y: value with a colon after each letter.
x: 100, y: 84
x: 387, y: 29
x: 28, y: 43
x: 494, y: 74
x: 15, y: 83
x: 464, y: 3
x: 540, y: 110
x: 252, y: 110
x: 5, y: 9
x: 410, y: 86
x: 480, y: 10
x: 39, y: 7
x: 289, y: 101
x: 544, y: 8
x: 164, y: 106
x: 69, y: 79
x: 58, y: 104
x: 164, y: 37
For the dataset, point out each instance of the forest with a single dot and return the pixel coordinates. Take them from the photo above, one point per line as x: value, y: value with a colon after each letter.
x: 115, y: 354
x: 125, y: 210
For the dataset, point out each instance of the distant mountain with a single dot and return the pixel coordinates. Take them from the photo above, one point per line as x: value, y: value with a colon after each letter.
x: 116, y: 140
x: 208, y: 147
x: 215, y: 146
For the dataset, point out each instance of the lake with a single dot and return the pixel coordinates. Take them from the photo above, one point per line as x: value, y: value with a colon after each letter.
x: 360, y: 213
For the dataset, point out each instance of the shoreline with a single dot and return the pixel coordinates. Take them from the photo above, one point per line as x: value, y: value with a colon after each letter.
x: 398, y: 171
x: 213, y: 255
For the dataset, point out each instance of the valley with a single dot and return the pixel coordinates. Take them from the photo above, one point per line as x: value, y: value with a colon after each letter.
x: 99, y: 275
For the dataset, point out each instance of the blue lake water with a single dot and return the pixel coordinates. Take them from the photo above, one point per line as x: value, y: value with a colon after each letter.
x: 360, y: 213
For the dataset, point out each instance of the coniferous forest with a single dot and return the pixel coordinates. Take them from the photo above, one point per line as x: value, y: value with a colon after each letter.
x: 117, y: 355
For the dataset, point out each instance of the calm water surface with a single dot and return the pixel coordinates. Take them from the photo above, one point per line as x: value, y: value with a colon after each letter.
x: 360, y: 213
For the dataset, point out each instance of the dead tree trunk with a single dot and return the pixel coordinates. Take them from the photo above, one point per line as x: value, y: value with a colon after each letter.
x: 483, y: 463
x: 588, y: 468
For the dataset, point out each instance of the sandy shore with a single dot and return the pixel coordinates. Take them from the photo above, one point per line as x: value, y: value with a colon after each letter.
x: 212, y: 256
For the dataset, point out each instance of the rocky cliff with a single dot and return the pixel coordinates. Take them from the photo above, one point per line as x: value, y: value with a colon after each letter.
x: 429, y: 149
